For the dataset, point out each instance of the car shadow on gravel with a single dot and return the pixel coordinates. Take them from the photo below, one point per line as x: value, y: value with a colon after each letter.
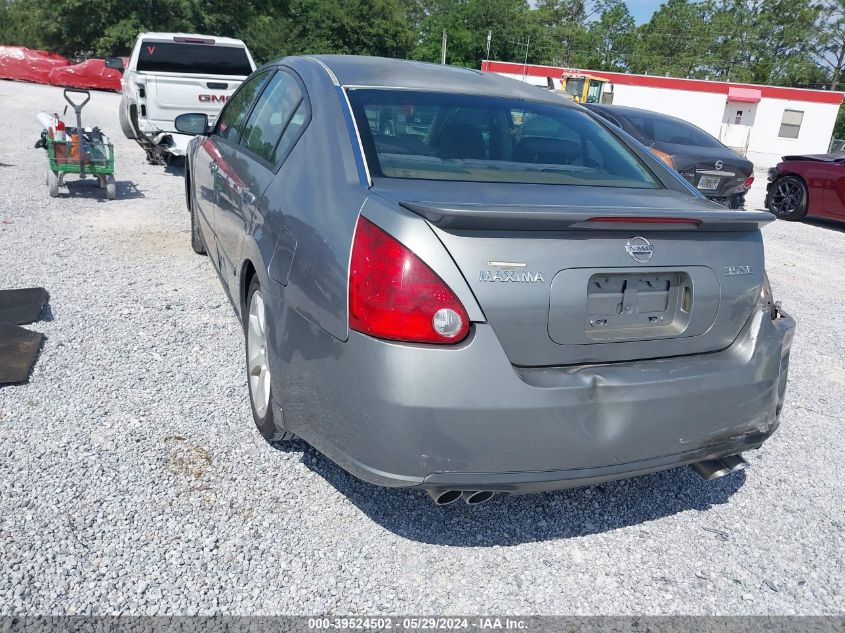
x: 176, y: 167
x: 125, y: 190
x: 825, y: 224
x: 513, y: 520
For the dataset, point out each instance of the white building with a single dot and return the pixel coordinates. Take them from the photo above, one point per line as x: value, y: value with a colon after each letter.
x: 761, y: 122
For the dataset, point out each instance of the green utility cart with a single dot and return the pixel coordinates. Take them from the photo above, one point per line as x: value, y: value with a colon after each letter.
x: 84, y: 153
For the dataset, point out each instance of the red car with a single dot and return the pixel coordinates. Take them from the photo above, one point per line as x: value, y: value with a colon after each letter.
x: 807, y: 185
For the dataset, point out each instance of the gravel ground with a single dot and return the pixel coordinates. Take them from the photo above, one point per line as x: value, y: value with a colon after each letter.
x: 132, y: 479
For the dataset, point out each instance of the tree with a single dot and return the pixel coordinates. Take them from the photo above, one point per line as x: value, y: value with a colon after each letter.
x: 107, y: 27
x: 611, y: 38
x: 355, y: 27
x: 830, y: 51
x: 466, y: 23
x: 562, y: 36
x: 676, y: 41
x: 839, y: 127
x: 769, y: 41
x: 789, y: 42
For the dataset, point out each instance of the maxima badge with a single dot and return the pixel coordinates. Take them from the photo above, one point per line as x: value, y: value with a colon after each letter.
x: 640, y: 249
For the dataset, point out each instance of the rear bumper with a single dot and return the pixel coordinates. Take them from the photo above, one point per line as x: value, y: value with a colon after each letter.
x: 466, y: 418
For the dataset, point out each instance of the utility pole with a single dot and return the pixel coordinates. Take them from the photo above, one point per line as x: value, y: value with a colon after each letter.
x: 443, y: 49
x: 489, y: 37
x: 525, y: 63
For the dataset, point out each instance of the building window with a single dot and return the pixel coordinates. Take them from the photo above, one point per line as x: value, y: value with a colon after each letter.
x: 791, y: 123
x: 738, y: 119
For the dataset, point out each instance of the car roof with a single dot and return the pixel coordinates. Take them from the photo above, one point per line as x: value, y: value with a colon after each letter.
x: 623, y: 110
x: 382, y: 72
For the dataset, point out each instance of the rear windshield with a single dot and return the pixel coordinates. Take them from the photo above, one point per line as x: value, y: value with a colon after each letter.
x: 665, y: 130
x: 446, y: 136
x: 193, y: 59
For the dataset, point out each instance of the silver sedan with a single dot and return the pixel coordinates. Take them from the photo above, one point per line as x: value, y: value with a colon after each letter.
x: 453, y: 280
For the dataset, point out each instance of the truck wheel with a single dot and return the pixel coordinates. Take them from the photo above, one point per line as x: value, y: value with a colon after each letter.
x: 788, y: 198
x: 125, y: 125
x: 53, y: 183
x: 111, y: 187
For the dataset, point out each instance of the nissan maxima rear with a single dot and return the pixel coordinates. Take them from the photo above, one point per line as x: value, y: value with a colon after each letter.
x: 496, y: 293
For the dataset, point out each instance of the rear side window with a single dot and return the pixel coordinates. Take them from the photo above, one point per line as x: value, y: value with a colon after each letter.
x: 193, y: 59
x: 270, y: 117
x: 231, y: 120
x: 298, y: 121
x: 665, y: 130
x: 447, y: 136
x: 608, y: 117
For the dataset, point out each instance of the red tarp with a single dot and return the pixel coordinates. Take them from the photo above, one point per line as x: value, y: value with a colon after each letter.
x: 91, y: 73
x: 24, y: 64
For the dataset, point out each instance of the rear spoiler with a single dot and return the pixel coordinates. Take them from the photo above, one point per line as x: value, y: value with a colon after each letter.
x: 558, y: 218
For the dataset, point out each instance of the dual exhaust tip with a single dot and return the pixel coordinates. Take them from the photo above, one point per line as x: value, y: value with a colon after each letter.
x: 708, y: 470
x: 714, y: 468
x: 445, y: 496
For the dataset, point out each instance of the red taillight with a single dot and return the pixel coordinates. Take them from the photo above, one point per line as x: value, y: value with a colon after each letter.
x: 394, y: 295
x: 748, y: 182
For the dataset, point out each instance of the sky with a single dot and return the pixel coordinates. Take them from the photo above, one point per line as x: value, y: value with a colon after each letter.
x: 642, y: 9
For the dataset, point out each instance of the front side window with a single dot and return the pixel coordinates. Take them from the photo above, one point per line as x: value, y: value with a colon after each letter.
x: 445, y: 136
x: 271, y: 115
x: 790, y: 125
x: 187, y: 58
x: 231, y: 120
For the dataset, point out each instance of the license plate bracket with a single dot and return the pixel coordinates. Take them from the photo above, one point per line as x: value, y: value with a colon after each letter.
x: 709, y: 183
x: 611, y: 305
x: 637, y: 304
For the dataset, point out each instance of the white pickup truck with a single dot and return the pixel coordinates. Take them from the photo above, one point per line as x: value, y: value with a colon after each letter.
x: 169, y: 74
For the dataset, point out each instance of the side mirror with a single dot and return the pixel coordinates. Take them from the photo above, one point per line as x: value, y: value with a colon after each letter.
x: 114, y: 62
x: 192, y: 123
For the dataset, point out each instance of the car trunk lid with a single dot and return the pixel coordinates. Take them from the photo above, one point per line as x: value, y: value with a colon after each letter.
x: 663, y: 275
x: 715, y: 172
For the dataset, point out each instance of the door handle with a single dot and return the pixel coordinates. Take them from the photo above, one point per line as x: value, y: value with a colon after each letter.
x: 247, y: 196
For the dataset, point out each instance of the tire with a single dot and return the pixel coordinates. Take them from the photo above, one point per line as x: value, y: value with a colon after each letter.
x: 788, y: 198
x: 128, y: 131
x: 111, y: 187
x: 197, y: 242
x: 259, y: 380
x: 53, y: 183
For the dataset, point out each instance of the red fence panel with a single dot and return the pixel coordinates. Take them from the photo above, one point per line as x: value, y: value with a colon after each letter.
x: 24, y: 64
x: 91, y: 73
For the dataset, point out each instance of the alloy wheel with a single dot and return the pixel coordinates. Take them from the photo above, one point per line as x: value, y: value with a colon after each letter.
x: 787, y: 197
x: 256, y: 345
